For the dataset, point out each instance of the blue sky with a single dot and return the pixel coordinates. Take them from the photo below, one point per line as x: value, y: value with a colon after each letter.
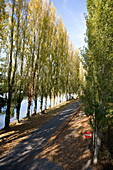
x: 73, y: 18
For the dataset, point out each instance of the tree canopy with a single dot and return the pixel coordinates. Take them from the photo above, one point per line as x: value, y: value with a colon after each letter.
x: 39, y: 58
x: 98, y: 63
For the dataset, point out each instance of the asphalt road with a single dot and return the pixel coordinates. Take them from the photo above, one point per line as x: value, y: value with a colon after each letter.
x: 22, y: 157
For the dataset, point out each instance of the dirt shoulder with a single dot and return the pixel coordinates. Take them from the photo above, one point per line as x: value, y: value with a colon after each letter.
x: 70, y: 148
x: 18, y: 132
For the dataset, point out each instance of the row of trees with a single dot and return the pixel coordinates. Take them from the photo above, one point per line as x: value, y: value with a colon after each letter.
x: 38, y: 57
x: 98, y: 63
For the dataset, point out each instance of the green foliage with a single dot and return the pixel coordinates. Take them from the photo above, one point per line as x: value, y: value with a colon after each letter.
x: 98, y: 65
x: 98, y: 60
x: 39, y: 56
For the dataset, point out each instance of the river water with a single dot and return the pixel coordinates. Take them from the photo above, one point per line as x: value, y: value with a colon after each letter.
x: 23, y: 109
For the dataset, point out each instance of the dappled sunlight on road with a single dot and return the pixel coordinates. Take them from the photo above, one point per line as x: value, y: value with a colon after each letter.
x: 70, y: 149
x: 25, y: 154
x: 18, y: 132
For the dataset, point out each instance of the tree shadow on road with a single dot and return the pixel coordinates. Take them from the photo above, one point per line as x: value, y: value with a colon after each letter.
x: 70, y: 150
x: 16, y: 133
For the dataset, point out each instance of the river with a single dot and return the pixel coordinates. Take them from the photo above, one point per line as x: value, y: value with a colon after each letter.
x: 23, y: 109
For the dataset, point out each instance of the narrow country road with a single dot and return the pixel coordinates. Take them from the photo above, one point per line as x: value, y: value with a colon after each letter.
x: 22, y: 157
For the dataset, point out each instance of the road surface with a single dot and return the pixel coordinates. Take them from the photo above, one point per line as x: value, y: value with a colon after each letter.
x: 22, y: 157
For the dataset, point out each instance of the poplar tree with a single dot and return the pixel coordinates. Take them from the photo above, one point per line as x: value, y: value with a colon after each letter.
x: 99, y: 67
x: 39, y: 56
x: 20, y: 76
x: 34, y: 13
x: 7, y: 119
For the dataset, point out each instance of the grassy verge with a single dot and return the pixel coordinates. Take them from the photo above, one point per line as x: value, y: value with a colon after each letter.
x: 18, y: 132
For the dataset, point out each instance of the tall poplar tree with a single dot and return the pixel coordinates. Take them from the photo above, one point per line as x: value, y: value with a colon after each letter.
x: 99, y: 65
x: 7, y: 119
x: 20, y: 76
x: 39, y: 57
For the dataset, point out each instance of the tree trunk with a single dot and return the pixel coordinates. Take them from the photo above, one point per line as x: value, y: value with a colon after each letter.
x: 30, y: 96
x: 7, y: 118
x: 35, y: 108
x: 35, y: 85
x: 41, y: 104
x: 54, y: 99
x: 29, y: 103
x: 98, y: 134
x: 94, y: 148
x: 31, y: 86
x: 50, y: 99
x: 97, y: 144
x: 20, y: 96
x: 60, y: 97
x: 67, y: 97
x: 18, y: 110
x: 45, y: 102
x: 17, y: 48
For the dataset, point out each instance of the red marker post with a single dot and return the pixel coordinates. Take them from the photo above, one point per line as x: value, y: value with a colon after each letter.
x: 88, y: 135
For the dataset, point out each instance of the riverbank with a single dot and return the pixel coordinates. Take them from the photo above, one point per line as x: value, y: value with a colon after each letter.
x: 24, y: 108
x: 19, y: 131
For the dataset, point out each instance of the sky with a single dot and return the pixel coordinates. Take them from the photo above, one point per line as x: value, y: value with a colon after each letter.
x: 72, y: 13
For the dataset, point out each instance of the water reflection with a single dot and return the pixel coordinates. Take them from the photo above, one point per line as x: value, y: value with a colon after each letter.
x: 23, y: 109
